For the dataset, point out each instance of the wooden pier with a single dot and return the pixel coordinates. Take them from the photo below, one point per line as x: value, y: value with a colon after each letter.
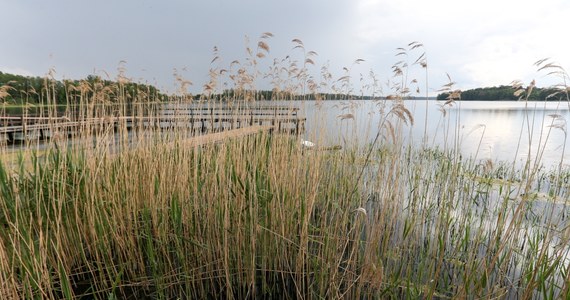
x: 223, y: 135
x: 203, y: 119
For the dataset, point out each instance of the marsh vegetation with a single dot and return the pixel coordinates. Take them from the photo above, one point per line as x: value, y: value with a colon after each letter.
x: 263, y: 217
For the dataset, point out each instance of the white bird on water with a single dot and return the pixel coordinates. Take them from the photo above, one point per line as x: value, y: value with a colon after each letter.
x: 307, y: 144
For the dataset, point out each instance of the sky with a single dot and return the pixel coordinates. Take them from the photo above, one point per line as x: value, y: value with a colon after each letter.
x: 478, y: 43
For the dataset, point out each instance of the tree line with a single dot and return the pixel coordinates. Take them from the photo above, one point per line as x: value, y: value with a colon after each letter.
x: 505, y: 92
x: 27, y: 89
x: 260, y: 95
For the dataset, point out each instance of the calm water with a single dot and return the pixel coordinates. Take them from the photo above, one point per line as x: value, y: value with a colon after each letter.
x: 481, y: 129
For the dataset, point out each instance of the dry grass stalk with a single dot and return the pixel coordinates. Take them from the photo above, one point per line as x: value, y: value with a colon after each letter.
x: 262, y: 217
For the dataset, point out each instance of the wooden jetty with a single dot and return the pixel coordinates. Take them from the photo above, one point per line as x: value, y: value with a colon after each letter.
x: 223, y: 135
x: 202, y: 119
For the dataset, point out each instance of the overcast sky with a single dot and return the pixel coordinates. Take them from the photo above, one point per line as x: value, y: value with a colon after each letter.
x: 478, y: 43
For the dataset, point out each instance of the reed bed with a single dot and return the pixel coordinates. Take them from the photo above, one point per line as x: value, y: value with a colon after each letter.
x: 119, y: 214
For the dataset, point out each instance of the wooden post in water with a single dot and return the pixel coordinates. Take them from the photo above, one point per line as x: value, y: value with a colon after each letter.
x: 23, y: 128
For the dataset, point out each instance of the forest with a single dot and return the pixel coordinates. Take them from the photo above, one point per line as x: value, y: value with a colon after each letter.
x: 505, y: 92
x: 18, y: 89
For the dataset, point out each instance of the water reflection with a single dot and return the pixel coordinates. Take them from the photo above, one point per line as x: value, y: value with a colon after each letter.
x: 507, y: 131
x: 497, y: 130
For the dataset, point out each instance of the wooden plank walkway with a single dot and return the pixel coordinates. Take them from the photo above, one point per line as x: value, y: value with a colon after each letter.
x: 206, y: 120
x: 223, y: 135
x: 10, y: 158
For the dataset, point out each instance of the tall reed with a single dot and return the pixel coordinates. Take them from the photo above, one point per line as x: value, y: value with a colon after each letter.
x: 118, y: 213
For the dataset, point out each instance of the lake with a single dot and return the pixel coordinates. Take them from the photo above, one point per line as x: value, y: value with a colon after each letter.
x: 481, y: 129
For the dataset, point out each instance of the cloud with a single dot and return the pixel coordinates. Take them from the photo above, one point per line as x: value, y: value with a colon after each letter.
x: 481, y: 43
x: 485, y: 42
